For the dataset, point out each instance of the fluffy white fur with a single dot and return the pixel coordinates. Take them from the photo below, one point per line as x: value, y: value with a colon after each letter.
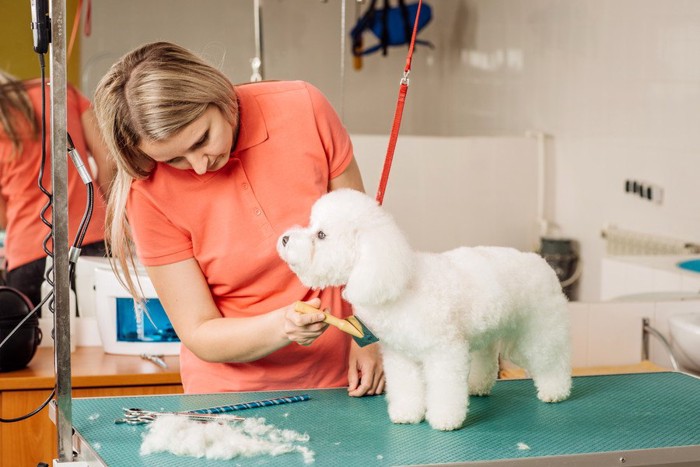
x: 223, y: 441
x: 442, y: 318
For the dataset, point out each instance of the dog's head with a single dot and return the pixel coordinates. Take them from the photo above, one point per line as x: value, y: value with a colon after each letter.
x: 351, y: 241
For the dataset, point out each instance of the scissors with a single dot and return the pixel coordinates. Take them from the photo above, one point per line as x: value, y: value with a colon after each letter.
x: 210, y: 414
x: 141, y: 417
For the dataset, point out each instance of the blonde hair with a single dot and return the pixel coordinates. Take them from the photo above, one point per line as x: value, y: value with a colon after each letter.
x: 17, y: 116
x: 150, y: 94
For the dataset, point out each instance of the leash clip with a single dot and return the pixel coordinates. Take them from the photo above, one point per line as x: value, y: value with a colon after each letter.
x: 404, y: 79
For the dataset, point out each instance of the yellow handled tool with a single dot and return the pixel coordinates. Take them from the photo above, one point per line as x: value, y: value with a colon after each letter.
x: 341, y: 324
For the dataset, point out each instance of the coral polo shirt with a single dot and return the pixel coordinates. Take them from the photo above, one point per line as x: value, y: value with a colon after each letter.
x: 18, y: 183
x: 290, y: 144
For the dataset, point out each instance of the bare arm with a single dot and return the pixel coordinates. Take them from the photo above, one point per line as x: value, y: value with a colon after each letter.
x: 365, y: 368
x: 350, y: 178
x: 105, y: 165
x: 185, y: 294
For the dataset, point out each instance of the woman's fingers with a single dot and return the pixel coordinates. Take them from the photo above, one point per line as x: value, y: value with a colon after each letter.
x: 305, y: 327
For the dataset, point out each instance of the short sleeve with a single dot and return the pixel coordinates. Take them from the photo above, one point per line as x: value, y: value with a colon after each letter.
x: 334, y: 137
x: 158, y: 241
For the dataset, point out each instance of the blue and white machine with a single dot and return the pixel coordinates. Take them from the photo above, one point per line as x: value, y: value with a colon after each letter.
x: 125, y: 326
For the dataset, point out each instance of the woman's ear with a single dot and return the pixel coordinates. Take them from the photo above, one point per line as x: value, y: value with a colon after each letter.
x: 383, y: 266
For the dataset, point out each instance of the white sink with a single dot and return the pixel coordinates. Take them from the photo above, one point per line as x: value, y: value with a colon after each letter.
x: 685, y: 340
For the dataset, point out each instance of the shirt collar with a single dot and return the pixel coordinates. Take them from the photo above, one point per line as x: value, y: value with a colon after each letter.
x: 252, y: 127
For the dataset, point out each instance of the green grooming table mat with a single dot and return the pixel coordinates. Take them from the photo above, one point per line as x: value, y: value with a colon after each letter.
x: 634, y: 419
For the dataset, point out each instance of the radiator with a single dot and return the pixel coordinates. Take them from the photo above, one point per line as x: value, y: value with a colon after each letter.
x: 627, y: 242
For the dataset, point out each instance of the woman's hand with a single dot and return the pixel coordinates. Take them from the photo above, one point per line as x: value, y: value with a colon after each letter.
x: 185, y: 294
x: 366, y: 371
x: 304, y: 328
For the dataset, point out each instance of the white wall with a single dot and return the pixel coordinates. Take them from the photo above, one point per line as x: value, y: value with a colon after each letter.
x: 459, y: 191
x: 611, y: 334
x: 616, y: 84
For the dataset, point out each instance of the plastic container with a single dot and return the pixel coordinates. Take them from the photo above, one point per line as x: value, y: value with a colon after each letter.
x: 561, y: 255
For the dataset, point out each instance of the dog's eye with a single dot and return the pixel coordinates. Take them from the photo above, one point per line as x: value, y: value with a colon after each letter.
x: 321, y: 235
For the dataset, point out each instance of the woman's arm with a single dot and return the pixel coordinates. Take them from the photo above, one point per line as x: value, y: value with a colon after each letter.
x: 350, y: 178
x: 105, y: 165
x: 365, y: 370
x: 183, y: 291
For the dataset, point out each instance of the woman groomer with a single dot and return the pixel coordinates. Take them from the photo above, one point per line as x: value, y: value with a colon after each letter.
x: 21, y: 200
x: 209, y: 175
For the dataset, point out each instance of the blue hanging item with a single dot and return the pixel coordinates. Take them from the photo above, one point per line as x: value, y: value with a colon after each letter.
x: 392, y: 25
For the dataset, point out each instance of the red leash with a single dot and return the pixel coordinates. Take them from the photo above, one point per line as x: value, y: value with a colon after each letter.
x: 87, y: 27
x: 403, y: 89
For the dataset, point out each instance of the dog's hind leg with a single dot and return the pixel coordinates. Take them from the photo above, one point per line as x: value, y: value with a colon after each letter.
x: 544, y: 350
x: 553, y: 381
x: 483, y: 371
x: 446, y: 376
x: 405, y: 388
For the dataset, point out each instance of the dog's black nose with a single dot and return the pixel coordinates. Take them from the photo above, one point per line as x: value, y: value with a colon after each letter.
x: 285, y: 239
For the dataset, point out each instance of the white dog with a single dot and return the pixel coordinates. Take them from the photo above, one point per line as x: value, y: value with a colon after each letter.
x: 442, y: 318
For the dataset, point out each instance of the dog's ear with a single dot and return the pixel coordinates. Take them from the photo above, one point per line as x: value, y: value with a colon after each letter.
x: 383, y: 264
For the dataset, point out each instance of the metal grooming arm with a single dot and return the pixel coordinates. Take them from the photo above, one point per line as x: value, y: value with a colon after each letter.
x: 59, y: 184
x: 647, y: 330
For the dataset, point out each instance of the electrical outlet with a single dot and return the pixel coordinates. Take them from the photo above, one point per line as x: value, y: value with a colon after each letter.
x: 656, y: 194
x: 644, y: 190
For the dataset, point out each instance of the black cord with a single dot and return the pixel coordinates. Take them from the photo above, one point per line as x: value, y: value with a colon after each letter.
x: 33, y: 412
x: 77, y: 242
x: 40, y: 180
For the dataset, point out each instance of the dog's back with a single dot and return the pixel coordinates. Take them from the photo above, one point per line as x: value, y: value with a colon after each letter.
x: 493, y: 285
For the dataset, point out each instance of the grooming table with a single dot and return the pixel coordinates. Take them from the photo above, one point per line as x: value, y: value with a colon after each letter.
x: 626, y: 420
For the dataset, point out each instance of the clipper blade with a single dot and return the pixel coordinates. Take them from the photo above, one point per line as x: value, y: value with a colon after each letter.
x: 351, y: 325
x: 367, y: 336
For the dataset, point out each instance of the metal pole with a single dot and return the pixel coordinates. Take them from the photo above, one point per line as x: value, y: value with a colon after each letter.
x: 257, y: 61
x: 343, y: 10
x: 59, y: 183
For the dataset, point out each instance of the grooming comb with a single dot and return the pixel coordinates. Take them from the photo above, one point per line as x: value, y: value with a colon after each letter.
x: 352, y: 325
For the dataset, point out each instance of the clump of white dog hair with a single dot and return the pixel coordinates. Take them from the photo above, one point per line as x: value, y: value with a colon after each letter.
x: 222, y: 441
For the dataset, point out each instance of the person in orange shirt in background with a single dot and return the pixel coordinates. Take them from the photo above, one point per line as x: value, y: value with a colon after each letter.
x: 209, y: 175
x: 21, y: 200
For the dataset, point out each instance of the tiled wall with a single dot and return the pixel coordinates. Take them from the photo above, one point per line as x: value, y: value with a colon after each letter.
x: 616, y: 83
x: 610, y: 333
x: 462, y: 197
x: 607, y: 334
x: 633, y: 287
x: 634, y: 275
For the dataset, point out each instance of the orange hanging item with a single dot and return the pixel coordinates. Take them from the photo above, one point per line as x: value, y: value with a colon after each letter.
x: 403, y: 90
x: 76, y: 25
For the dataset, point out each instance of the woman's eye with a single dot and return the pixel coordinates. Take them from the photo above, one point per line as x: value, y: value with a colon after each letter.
x: 321, y: 235
x: 203, y: 139
x: 175, y: 161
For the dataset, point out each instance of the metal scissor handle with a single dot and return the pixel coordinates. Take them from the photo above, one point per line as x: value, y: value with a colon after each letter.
x: 134, y: 416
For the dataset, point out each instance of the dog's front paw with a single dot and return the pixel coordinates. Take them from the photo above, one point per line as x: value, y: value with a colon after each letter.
x: 445, y: 421
x: 406, y: 414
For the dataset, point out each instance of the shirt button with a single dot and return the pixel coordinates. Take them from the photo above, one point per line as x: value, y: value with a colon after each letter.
x: 245, y: 186
x: 258, y: 212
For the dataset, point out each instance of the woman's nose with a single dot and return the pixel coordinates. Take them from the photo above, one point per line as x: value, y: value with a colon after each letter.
x: 199, y: 163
